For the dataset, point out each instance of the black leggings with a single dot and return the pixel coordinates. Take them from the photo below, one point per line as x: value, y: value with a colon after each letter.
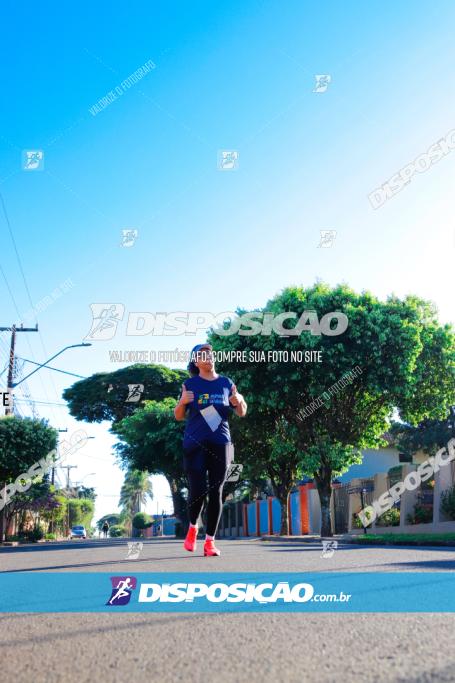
x: 204, y: 458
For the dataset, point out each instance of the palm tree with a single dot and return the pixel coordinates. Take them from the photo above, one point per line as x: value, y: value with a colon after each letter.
x: 135, y: 490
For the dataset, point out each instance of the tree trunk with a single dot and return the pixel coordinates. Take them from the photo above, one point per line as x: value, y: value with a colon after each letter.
x: 283, y: 499
x: 324, y: 487
x: 282, y: 493
x: 3, y: 521
x: 8, y: 515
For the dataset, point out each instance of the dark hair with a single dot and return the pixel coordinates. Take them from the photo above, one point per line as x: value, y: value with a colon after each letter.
x: 191, y: 367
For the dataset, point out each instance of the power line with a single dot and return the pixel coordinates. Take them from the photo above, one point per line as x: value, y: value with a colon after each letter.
x: 45, y: 403
x: 9, y: 290
x: 28, y: 295
x: 24, y: 388
x: 15, y: 249
x: 49, y: 367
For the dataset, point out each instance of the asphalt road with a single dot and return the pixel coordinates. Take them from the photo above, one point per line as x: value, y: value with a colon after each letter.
x: 237, y: 648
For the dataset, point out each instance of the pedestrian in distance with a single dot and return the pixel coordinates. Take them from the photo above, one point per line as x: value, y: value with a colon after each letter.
x: 105, y: 528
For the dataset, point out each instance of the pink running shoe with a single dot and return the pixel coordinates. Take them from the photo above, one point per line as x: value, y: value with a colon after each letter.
x: 210, y: 549
x: 190, y: 540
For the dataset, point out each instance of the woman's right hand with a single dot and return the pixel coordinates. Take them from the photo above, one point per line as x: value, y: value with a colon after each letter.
x: 186, y: 397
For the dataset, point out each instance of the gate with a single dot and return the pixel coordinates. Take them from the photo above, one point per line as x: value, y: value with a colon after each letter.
x: 341, y: 505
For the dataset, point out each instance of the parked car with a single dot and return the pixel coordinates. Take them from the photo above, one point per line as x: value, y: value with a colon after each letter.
x: 78, y: 532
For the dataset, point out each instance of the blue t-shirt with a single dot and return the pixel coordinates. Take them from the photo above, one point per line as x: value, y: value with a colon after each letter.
x: 207, y: 393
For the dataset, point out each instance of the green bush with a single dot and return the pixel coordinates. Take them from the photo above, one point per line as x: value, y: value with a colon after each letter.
x: 36, y: 534
x: 80, y: 511
x: 142, y: 521
x: 50, y: 537
x: 448, y: 503
x: 423, y: 514
x: 389, y: 518
x: 116, y: 531
x: 356, y: 521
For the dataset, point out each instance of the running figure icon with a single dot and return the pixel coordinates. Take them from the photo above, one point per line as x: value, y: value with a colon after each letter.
x: 121, y: 590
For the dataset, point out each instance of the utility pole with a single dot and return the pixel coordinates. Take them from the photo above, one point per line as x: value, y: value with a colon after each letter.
x: 68, y: 468
x: 10, y: 384
x: 53, y: 466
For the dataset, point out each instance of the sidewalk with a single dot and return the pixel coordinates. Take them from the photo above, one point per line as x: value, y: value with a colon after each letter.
x: 447, y: 540
x: 307, y: 538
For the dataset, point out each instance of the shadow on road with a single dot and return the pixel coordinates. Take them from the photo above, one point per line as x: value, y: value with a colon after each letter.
x: 72, y: 545
x: 353, y: 546
x: 129, y: 562
x: 428, y: 564
x: 96, y: 630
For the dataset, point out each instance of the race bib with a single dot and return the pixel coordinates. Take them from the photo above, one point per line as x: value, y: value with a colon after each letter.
x: 212, y: 417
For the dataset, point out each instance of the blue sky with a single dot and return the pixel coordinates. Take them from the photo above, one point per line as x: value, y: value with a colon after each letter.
x: 228, y: 76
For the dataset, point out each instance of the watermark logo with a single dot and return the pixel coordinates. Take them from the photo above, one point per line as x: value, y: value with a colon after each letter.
x: 134, y: 550
x: 38, y: 469
x: 135, y: 392
x: 119, y: 90
x: 234, y: 472
x: 262, y: 593
x: 347, y: 378
x: 422, y: 163
x: 32, y: 160
x: 48, y: 300
x: 107, y: 316
x: 328, y: 548
x: 105, y: 320
x: 327, y: 238
x: 411, y: 482
x: 122, y: 587
x: 322, y: 82
x: 228, y: 160
x: 198, y: 594
x: 5, y: 399
x: 129, y: 237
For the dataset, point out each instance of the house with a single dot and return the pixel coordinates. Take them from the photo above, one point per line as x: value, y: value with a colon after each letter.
x: 375, y: 460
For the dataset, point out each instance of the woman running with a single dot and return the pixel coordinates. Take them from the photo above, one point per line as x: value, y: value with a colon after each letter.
x: 208, y: 399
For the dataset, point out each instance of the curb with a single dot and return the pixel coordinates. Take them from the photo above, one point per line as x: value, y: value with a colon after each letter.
x: 294, y: 539
x: 354, y: 540
x: 403, y: 542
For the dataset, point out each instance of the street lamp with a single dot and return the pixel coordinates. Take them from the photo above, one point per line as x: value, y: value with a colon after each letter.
x: 79, y: 483
x: 13, y: 385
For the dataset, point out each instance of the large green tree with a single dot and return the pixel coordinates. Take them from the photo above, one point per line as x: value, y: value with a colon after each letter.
x: 428, y: 436
x: 80, y: 511
x: 40, y: 502
x: 151, y: 439
x: 111, y: 519
x: 404, y: 360
x: 103, y: 396
x: 23, y: 442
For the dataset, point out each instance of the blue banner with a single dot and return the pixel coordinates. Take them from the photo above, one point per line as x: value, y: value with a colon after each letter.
x: 227, y: 592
